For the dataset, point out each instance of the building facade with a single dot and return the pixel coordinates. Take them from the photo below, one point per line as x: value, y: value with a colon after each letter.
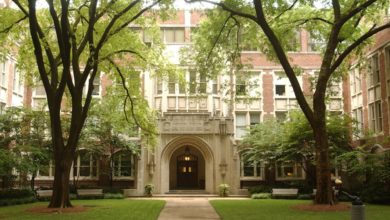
x: 199, y: 131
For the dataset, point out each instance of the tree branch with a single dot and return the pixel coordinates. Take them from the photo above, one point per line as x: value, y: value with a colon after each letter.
x: 7, y: 29
x: 128, y: 97
x: 355, y: 44
x: 226, y: 8
x: 262, y: 22
x: 122, y: 51
x: 356, y: 10
x: 288, y: 9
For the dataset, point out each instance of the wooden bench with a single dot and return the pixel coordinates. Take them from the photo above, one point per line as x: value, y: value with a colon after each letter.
x: 90, y: 192
x: 284, y: 192
x: 44, y: 193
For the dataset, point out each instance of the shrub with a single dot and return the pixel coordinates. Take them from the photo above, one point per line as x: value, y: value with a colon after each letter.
x: 261, y: 196
x: 113, y: 190
x: 149, y: 189
x: 223, y: 189
x: 305, y: 196
x: 260, y: 189
x: 17, y: 201
x: 16, y: 193
x: 113, y: 196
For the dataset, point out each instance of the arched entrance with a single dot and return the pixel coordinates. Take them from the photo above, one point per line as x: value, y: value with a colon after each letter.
x: 187, y: 169
x: 168, y: 164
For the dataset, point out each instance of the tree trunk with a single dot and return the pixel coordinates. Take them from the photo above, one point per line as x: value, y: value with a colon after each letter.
x: 60, y: 197
x: 323, y: 181
x: 32, y: 182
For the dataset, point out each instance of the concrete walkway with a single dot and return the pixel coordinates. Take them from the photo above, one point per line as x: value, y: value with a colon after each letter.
x: 187, y: 208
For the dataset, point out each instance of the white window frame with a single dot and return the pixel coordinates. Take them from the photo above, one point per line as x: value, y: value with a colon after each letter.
x: 248, y: 121
x: 256, y: 165
x: 295, y: 166
x: 91, y: 160
x: 120, y: 154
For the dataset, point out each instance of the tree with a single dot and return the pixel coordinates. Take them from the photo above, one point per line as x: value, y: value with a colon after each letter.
x: 106, y: 130
x: 24, y: 145
x: 344, y: 28
x: 293, y: 140
x: 73, y: 41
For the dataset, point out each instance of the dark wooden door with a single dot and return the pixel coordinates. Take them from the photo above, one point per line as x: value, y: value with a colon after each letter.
x: 187, y: 171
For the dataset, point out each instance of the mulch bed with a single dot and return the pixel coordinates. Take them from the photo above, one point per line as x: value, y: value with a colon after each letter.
x: 340, y: 207
x: 45, y: 209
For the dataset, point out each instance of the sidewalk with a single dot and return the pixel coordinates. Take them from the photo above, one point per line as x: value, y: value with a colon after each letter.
x: 188, y: 208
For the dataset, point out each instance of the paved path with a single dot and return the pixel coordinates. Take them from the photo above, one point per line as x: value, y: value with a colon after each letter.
x: 188, y: 208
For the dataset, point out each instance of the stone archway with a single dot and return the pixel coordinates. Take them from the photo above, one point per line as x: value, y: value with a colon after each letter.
x: 175, y: 148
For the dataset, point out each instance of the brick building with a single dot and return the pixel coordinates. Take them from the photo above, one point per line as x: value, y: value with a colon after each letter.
x: 199, y: 131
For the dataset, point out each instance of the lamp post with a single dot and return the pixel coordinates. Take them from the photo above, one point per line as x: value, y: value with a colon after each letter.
x: 358, y: 208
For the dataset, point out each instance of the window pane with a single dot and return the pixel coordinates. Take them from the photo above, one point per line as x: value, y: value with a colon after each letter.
x: 179, y: 35
x: 254, y: 118
x: 240, y: 119
x: 280, y: 90
x: 248, y: 169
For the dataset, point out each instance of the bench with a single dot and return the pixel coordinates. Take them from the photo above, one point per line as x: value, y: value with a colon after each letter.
x: 90, y: 192
x: 44, y: 193
x: 284, y: 193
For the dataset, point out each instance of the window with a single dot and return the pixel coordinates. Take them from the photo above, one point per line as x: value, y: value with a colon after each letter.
x: 172, y: 85
x: 254, y: 118
x: 240, y: 124
x: 375, y: 116
x: 243, y: 125
x: 215, y: 86
x: 374, y: 96
x: 294, y: 42
x: 373, y: 71
x: 40, y: 90
x: 18, y: 82
x: 197, y: 82
x: 251, y: 170
x: 281, y: 116
x: 172, y: 35
x: 96, y: 85
x: 85, y: 165
x: 122, y: 164
x: 3, y: 76
x: 202, y: 83
x: 47, y: 171
x: 315, y: 42
x: 280, y: 90
x: 2, y: 107
x: 240, y: 86
x: 192, y: 82
x: 159, y: 86
x: 357, y: 115
x: 289, y: 171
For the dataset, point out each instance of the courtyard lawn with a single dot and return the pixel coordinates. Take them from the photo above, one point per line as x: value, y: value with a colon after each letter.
x: 274, y: 209
x: 97, y: 209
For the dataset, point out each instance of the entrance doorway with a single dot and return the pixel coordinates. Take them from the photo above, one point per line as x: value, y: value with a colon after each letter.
x: 187, y: 169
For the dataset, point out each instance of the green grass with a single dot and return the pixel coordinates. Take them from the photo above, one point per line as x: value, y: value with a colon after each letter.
x: 98, y: 209
x: 280, y: 209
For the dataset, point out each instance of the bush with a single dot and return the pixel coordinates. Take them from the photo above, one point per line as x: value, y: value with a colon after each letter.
x: 223, y: 189
x: 16, y: 193
x: 113, y: 190
x: 149, y: 189
x: 260, y: 189
x: 305, y: 196
x: 113, y: 196
x: 375, y: 193
x: 17, y: 201
x: 261, y: 196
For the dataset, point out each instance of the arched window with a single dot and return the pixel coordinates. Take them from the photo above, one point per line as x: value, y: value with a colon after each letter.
x: 122, y: 165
